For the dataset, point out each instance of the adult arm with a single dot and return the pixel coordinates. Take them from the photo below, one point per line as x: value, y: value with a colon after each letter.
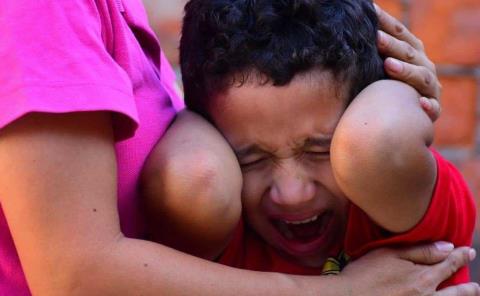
x: 407, y: 61
x: 58, y: 192
x: 411, y: 284
x: 380, y: 155
x: 58, y: 189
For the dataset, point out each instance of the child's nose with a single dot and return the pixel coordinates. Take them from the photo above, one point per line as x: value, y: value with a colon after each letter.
x: 291, y: 187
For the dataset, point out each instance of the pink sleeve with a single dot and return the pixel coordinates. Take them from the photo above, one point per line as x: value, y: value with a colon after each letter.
x: 170, y: 85
x: 54, y: 60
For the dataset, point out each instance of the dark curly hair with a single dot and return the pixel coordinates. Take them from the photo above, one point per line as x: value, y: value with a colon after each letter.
x: 224, y: 42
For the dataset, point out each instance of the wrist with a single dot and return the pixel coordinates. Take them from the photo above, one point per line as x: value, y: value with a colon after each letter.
x: 320, y: 285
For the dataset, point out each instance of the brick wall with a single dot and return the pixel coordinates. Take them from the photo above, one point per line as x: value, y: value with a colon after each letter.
x: 451, y: 34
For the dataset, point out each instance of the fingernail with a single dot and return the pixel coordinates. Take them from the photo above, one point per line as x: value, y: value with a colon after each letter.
x: 444, y: 246
x: 472, y: 254
x: 425, y: 102
x: 394, y: 65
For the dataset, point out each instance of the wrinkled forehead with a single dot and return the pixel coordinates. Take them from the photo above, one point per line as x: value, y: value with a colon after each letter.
x: 310, y: 104
x: 259, y: 85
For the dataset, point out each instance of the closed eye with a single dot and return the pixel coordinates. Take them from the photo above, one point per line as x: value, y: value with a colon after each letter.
x: 253, y: 163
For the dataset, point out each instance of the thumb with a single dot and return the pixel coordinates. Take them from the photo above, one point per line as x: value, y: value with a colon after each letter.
x: 468, y: 289
x: 427, y: 254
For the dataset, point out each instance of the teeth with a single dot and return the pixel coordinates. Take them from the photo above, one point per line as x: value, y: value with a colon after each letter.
x: 303, y: 221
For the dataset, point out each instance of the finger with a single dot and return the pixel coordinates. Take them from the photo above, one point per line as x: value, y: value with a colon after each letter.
x: 427, y: 254
x: 422, y: 79
x: 469, y: 289
x: 456, y: 260
x: 395, y: 28
x: 431, y: 107
x: 401, y: 50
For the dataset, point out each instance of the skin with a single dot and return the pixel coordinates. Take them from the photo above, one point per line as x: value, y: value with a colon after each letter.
x: 389, y: 134
x: 174, y: 171
x: 406, y: 62
x: 83, y: 252
x: 287, y: 174
x: 234, y: 116
x: 59, y: 236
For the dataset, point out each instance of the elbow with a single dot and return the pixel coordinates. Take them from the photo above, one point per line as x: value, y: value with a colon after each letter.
x: 384, y: 126
x: 176, y: 182
x: 359, y: 141
x: 354, y: 151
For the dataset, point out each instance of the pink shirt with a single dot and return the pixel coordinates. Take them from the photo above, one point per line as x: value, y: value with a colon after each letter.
x: 64, y: 56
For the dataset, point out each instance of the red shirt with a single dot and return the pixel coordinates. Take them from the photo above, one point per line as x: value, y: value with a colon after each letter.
x: 249, y: 251
x: 450, y: 217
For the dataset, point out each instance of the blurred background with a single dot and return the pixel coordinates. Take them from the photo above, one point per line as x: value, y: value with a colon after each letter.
x: 450, y: 31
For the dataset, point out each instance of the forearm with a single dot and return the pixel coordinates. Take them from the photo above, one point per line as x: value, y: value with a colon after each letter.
x: 380, y: 155
x: 135, y: 267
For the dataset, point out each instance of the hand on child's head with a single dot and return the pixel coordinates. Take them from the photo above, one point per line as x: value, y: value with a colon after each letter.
x: 406, y: 58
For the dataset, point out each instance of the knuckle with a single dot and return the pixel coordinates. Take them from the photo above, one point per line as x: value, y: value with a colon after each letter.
x: 382, y: 17
x: 400, y: 29
x: 426, y: 281
x: 454, y: 262
x: 420, y: 44
x: 410, y: 52
x: 415, y: 290
x: 409, y: 74
x: 427, y: 253
x: 387, y: 41
x: 427, y: 78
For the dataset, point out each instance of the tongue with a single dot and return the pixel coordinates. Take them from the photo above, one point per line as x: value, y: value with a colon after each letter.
x: 307, y: 231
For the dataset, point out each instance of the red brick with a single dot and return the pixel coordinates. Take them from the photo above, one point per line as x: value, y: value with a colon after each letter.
x: 449, y: 29
x: 457, y: 123
x: 168, y: 32
x: 393, y: 7
x: 471, y: 172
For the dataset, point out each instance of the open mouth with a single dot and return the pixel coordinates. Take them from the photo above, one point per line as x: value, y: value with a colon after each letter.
x: 303, y: 231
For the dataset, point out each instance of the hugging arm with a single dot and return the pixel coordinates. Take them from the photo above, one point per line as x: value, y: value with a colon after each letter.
x: 58, y: 193
x: 191, y: 186
x: 407, y: 61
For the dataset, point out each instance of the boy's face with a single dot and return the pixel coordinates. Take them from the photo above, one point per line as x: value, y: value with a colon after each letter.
x: 282, y: 136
